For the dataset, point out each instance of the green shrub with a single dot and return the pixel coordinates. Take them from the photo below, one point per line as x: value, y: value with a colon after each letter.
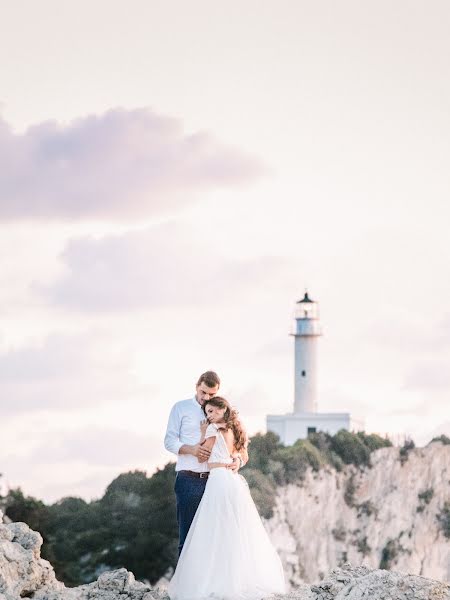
x: 26, y: 509
x: 367, y: 508
x: 424, y: 499
x: 442, y: 438
x: 275, y: 471
x: 389, y: 554
x: 261, y: 449
x: 350, y: 490
x: 350, y: 448
x: 444, y: 519
x: 262, y: 490
x: 426, y: 496
x: 373, y: 441
x: 297, y: 458
x: 363, y: 546
x: 339, y: 533
x: 323, y: 442
x: 405, y: 450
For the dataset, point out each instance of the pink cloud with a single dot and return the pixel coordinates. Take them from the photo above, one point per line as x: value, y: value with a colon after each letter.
x: 121, y: 164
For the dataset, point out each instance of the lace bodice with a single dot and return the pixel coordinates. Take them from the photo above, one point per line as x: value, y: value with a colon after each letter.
x: 219, y: 452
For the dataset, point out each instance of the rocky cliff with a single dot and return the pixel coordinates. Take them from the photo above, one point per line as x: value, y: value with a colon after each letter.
x: 391, y: 514
x: 23, y: 574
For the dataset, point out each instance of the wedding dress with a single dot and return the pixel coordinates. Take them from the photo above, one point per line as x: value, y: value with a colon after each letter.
x: 227, y: 554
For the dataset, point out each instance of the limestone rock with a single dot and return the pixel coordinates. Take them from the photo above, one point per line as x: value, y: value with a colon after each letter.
x: 22, y: 571
x: 362, y: 583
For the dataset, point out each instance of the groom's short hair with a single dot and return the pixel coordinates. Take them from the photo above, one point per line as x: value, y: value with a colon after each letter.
x: 209, y: 378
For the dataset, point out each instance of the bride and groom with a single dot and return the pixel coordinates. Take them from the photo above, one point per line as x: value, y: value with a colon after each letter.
x: 224, y: 550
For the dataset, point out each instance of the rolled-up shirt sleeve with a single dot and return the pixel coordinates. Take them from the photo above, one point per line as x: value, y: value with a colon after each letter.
x: 172, y: 438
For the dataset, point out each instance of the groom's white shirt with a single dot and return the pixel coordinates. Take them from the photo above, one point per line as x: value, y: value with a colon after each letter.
x: 184, y: 428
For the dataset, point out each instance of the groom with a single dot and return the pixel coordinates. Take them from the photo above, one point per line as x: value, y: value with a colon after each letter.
x: 183, y: 439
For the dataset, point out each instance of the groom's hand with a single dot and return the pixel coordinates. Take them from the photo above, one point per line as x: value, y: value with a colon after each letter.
x: 201, y: 452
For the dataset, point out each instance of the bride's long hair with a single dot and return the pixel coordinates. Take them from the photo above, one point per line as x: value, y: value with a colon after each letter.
x: 231, y: 418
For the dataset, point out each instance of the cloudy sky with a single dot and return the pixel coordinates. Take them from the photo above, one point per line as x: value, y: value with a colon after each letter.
x: 173, y: 175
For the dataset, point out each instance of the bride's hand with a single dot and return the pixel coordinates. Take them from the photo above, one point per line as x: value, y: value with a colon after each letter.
x: 235, y: 465
x: 203, y: 426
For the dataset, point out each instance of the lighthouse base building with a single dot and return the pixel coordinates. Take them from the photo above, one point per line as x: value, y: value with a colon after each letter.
x: 294, y: 426
x: 306, y: 419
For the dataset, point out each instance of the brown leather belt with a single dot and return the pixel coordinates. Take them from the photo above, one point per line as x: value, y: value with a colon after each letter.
x: 203, y: 475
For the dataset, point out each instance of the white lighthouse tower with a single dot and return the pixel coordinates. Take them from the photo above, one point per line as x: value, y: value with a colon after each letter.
x: 306, y: 333
x: 306, y: 419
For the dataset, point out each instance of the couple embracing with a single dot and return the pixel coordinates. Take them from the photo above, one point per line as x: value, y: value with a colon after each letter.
x: 224, y: 550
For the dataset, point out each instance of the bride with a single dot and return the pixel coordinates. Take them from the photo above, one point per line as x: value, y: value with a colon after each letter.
x: 227, y: 554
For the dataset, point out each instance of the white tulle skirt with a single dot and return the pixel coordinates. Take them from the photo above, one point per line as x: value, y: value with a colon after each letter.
x: 227, y: 554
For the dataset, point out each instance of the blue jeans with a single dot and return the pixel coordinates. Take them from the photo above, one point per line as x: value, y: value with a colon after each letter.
x: 189, y: 492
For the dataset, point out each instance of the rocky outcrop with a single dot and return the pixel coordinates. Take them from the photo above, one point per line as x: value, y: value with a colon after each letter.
x: 113, y: 585
x: 22, y: 571
x: 362, y: 583
x: 24, y: 574
x: 386, y: 515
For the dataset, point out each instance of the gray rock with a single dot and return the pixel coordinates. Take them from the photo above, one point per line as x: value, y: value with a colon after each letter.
x: 22, y: 571
x: 361, y: 583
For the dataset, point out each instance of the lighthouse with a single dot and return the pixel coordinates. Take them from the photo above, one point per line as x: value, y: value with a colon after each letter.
x: 306, y: 333
x: 306, y: 418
